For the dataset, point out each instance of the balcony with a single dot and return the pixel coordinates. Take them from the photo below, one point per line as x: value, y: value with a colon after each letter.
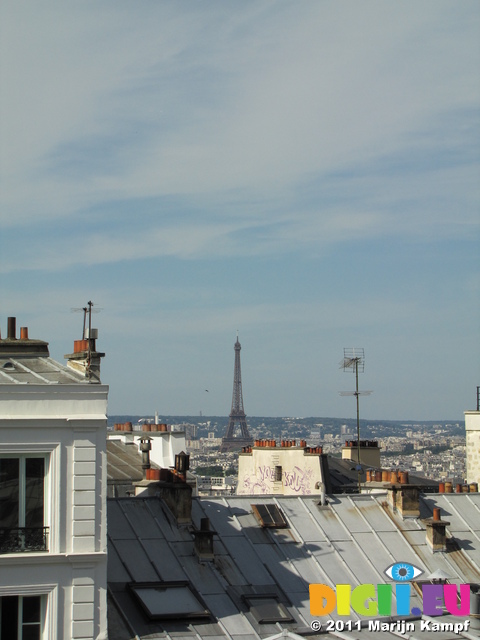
x: 24, y: 540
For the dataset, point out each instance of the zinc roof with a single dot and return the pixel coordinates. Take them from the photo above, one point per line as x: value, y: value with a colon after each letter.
x: 351, y: 540
x: 36, y: 369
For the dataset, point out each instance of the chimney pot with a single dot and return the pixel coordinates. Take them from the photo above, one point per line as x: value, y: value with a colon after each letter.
x: 436, y: 513
x: 12, y: 328
x: 23, y: 333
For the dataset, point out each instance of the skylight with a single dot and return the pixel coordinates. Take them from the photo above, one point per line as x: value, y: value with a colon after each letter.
x: 267, y: 610
x: 162, y: 600
x: 269, y: 515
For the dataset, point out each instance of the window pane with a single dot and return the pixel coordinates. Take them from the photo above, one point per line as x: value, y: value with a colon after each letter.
x: 9, y: 613
x: 34, y: 479
x: 31, y: 632
x: 9, y: 483
x: 31, y: 609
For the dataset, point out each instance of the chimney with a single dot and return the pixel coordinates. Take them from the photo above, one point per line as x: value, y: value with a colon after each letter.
x: 404, y: 499
x: 12, y: 328
x: 145, y: 448
x: 11, y: 346
x: 368, y: 449
x: 85, y: 358
x: 436, y: 532
x: 182, y: 464
x: 203, y: 540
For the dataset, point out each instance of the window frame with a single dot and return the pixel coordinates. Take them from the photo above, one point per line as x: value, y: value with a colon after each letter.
x: 20, y: 623
x: 22, y: 475
x: 51, y: 488
x: 49, y: 603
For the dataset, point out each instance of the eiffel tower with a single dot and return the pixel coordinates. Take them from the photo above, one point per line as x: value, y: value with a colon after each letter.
x: 231, y: 442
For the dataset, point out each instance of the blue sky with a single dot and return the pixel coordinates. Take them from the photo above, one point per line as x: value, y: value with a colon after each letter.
x: 304, y: 173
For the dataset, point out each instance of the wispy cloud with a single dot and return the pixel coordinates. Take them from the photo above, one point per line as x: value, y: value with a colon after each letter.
x: 295, y: 169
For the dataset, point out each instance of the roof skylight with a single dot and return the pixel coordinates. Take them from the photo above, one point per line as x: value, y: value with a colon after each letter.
x: 269, y: 515
x: 167, y: 600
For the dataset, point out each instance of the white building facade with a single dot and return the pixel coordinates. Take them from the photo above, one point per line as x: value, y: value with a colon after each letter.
x: 52, y: 495
x: 285, y: 470
x: 472, y: 428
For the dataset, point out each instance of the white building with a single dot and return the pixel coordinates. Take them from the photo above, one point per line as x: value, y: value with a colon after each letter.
x: 286, y: 470
x: 472, y: 428
x: 165, y: 444
x: 52, y: 492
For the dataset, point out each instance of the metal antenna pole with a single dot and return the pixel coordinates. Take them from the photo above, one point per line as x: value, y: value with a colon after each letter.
x: 354, y: 359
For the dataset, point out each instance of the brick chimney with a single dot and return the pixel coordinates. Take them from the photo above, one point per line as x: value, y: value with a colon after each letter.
x: 436, y: 532
x: 85, y: 358
x: 404, y: 498
x: 14, y: 347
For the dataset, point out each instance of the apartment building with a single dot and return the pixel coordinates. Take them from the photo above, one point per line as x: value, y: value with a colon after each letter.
x: 52, y: 491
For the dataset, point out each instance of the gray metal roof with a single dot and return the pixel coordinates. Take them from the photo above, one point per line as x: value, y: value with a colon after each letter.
x: 352, y: 540
x: 36, y: 369
x: 124, y: 462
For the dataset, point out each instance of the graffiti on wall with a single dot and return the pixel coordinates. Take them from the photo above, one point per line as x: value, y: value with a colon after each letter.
x: 297, y: 480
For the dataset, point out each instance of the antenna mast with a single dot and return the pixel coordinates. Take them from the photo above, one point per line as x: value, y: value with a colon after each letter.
x: 354, y: 360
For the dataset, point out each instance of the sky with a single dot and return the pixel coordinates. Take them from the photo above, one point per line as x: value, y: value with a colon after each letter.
x: 306, y: 174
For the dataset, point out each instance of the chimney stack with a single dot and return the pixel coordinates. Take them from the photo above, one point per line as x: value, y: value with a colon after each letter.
x: 404, y: 499
x: 436, y: 532
x: 85, y: 358
x: 12, y: 328
x: 203, y: 543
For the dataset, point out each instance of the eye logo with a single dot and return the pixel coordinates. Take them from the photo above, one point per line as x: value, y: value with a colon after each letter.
x: 403, y: 571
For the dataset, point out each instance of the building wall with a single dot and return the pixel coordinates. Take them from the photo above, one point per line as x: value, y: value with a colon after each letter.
x: 369, y: 456
x: 68, y: 425
x: 165, y: 444
x: 300, y: 472
x: 472, y: 428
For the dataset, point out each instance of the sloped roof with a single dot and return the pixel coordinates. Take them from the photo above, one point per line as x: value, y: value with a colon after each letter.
x: 36, y: 369
x: 124, y: 462
x: 352, y: 540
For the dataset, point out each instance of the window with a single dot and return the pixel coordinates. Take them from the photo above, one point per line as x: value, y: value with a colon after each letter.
x: 278, y: 473
x: 21, y: 617
x: 266, y: 609
x: 22, y: 504
x: 169, y: 600
x: 269, y: 515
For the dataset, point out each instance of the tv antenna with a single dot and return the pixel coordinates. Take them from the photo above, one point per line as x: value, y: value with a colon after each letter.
x: 354, y: 360
x: 88, y: 310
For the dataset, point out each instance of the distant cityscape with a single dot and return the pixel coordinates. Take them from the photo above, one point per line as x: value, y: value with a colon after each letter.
x: 434, y: 450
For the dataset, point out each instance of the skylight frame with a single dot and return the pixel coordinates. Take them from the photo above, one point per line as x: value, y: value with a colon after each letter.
x: 148, y: 606
x: 270, y: 516
x: 266, y: 608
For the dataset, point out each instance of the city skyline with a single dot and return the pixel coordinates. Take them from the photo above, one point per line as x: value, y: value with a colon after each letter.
x: 304, y: 174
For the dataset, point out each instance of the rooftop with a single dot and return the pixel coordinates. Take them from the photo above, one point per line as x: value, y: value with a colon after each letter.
x: 258, y: 581
x: 27, y: 361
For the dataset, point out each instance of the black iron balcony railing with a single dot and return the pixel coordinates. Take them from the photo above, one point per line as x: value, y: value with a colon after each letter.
x: 24, y: 540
